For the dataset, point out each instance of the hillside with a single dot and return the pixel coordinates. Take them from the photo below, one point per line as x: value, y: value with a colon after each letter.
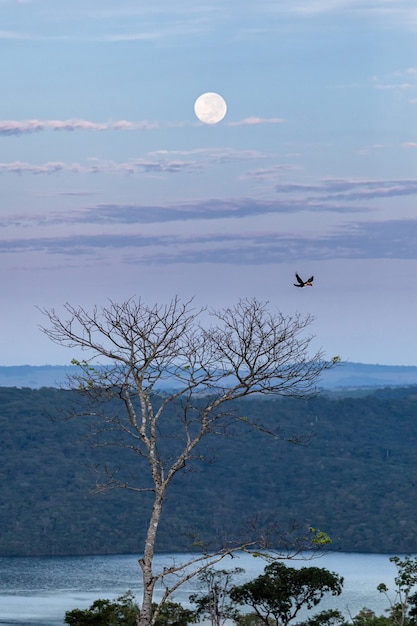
x: 356, y: 479
x: 345, y: 375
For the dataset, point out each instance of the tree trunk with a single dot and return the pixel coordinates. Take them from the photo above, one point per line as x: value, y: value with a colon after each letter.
x: 146, y: 562
x: 247, y: 350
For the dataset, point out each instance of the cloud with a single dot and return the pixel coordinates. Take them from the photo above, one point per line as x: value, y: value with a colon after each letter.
x: 369, y: 240
x: 335, y: 189
x: 13, y: 127
x: 256, y: 121
x: 100, y: 167
x: 396, y: 86
x: 78, y: 194
x: 219, y: 155
x: 169, y: 22
x: 211, y: 210
x: 128, y: 22
x: 268, y: 173
x: 395, y: 239
x: 51, y: 167
x: 403, y: 81
x: 16, y: 127
x: 158, y: 161
x: 373, y: 148
x: 404, y: 9
x: 126, y: 125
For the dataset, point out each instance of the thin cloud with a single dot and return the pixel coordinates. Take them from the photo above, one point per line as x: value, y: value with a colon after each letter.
x: 14, y: 127
x: 77, y: 194
x: 210, y: 210
x: 404, y: 9
x: 51, y: 167
x: 350, y: 189
x: 120, y: 37
x: 216, y: 154
x: 401, y: 81
x: 256, y: 121
x: 373, y: 148
x: 268, y: 173
x: 396, y: 86
x: 15, y: 35
x: 384, y: 240
x: 123, y: 24
x: 22, y: 127
x: 166, y: 22
x: 100, y: 167
x: 158, y: 161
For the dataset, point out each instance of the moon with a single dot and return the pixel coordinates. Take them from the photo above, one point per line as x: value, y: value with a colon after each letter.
x: 210, y: 108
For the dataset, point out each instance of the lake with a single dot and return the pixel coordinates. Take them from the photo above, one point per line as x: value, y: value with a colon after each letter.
x: 39, y: 590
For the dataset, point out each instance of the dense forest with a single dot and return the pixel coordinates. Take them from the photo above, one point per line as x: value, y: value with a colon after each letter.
x: 355, y: 479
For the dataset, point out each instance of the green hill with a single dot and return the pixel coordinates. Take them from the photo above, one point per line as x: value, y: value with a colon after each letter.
x: 356, y: 479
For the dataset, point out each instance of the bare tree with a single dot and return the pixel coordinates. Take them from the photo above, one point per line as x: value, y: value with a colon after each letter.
x: 214, y: 600
x: 207, y: 359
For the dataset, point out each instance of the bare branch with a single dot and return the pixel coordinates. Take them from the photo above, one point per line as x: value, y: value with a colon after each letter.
x: 173, y: 380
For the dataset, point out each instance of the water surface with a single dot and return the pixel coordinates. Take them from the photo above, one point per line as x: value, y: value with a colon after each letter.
x: 39, y: 590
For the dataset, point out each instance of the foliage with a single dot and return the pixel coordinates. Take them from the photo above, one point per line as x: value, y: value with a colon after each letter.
x: 122, y: 612
x: 367, y: 617
x: 362, y: 450
x: 276, y: 596
x: 319, y: 538
x: 331, y: 617
x: 248, y: 619
x: 280, y: 592
x: 406, y: 582
x: 215, y: 604
x: 174, y: 614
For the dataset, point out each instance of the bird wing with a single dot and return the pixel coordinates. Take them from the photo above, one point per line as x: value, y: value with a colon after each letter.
x: 310, y: 280
x: 299, y: 279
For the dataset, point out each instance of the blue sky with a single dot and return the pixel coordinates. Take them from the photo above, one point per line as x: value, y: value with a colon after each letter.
x: 111, y: 187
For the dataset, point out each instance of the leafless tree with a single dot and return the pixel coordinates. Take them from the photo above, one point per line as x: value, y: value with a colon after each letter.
x: 207, y: 359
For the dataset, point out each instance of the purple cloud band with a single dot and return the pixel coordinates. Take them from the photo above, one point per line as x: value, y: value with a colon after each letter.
x: 368, y: 240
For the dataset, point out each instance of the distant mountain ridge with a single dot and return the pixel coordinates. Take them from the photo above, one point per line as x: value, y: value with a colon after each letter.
x: 351, y: 375
x: 345, y: 375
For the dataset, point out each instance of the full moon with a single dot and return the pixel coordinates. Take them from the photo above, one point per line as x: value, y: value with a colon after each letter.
x: 210, y: 108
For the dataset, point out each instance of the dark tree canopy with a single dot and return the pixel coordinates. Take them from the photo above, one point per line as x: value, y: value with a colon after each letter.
x: 121, y: 612
x: 124, y: 611
x: 280, y: 592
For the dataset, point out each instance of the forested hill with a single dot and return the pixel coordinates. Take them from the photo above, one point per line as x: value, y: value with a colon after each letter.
x: 345, y: 375
x: 356, y: 480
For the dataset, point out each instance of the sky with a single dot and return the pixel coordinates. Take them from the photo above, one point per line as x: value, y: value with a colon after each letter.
x: 111, y: 188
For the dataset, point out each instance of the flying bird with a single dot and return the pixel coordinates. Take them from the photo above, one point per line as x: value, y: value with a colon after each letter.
x: 302, y: 283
